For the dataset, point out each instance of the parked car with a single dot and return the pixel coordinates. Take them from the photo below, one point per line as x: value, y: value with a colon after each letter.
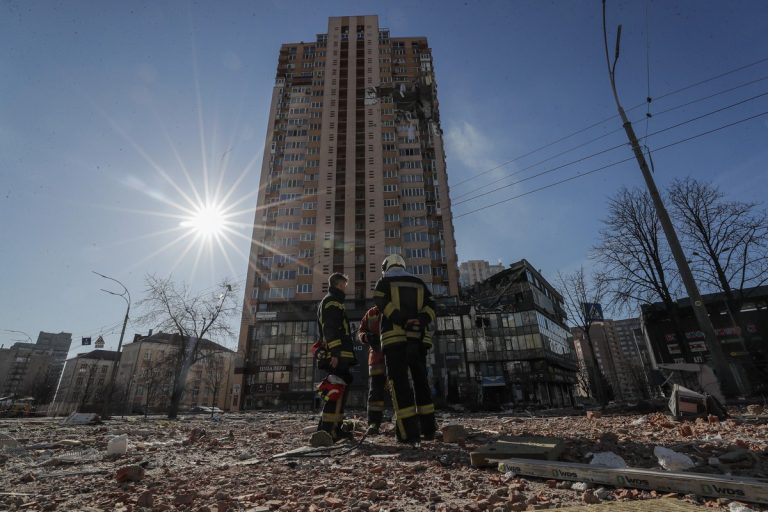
x: 203, y: 409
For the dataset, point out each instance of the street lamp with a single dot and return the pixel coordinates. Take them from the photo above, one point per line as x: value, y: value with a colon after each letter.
x: 29, y: 338
x: 126, y: 296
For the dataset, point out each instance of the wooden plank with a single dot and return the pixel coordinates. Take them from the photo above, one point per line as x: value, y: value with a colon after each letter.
x: 717, y: 486
x: 665, y: 504
x: 535, y: 447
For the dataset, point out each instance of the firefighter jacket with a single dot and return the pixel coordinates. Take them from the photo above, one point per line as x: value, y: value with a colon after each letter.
x: 334, y: 327
x: 369, y: 326
x: 401, y: 297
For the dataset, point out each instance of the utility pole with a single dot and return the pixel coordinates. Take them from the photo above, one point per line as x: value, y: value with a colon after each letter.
x: 116, y: 362
x: 717, y: 356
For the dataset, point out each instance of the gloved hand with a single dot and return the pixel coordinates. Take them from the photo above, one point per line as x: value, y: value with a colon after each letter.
x: 414, y: 324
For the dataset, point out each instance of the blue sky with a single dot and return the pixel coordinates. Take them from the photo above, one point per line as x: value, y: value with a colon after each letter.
x: 105, y: 105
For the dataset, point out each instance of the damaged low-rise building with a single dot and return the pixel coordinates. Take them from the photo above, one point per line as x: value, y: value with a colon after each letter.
x: 518, y: 349
x: 502, y: 344
x: 743, y: 339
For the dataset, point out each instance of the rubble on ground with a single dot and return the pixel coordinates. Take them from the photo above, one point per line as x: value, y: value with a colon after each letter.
x: 199, y: 465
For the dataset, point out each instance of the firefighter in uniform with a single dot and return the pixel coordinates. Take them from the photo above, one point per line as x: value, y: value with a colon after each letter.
x: 368, y: 334
x: 336, y: 341
x: 407, y: 310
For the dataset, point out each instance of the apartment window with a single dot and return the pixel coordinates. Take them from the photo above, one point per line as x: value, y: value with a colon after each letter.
x: 420, y: 236
x: 306, y: 253
x: 419, y: 269
x: 282, y: 293
x: 282, y: 274
x: 392, y: 202
x: 391, y: 233
x: 309, y: 206
x: 391, y: 217
x: 307, y: 237
x: 308, y: 221
x: 390, y: 188
x: 304, y: 288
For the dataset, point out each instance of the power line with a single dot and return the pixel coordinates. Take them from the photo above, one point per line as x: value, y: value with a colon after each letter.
x: 592, y: 155
x: 587, y: 173
x: 688, y: 103
x: 582, y: 130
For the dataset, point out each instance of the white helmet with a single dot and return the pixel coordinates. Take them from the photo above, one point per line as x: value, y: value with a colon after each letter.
x: 391, y: 261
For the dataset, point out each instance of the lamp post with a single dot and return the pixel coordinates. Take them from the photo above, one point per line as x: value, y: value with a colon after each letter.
x: 29, y: 338
x: 126, y: 296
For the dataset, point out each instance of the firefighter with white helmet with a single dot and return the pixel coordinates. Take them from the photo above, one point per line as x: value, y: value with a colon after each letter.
x: 407, y: 309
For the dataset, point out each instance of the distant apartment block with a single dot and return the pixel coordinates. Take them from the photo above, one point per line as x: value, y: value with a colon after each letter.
x: 474, y: 271
x: 33, y: 369
x: 617, y: 355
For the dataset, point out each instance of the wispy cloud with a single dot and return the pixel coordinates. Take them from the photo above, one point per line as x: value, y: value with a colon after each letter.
x: 471, y: 147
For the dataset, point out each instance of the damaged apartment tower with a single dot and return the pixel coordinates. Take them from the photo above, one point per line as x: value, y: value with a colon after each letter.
x: 353, y: 170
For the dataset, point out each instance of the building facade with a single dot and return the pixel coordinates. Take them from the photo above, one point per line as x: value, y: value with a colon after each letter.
x: 743, y: 342
x: 145, y: 377
x: 84, y: 383
x: 473, y: 271
x: 33, y: 369
x: 353, y: 170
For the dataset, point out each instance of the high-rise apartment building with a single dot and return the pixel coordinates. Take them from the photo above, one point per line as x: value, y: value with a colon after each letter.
x: 617, y: 354
x: 353, y: 170
x: 473, y: 271
x: 33, y: 369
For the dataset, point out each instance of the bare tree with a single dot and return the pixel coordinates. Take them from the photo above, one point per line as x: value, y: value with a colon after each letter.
x: 157, y: 377
x: 638, y: 378
x: 87, y: 372
x: 579, y: 291
x: 727, y: 240
x: 583, y: 379
x: 213, y: 375
x: 193, y: 317
x: 637, y: 265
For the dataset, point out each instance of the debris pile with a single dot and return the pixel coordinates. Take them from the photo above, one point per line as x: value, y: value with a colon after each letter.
x: 234, y: 464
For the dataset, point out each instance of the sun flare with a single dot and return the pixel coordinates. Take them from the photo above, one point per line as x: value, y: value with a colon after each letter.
x: 208, y: 221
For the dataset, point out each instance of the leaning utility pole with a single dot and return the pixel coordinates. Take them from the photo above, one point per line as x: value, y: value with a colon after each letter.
x: 721, y: 367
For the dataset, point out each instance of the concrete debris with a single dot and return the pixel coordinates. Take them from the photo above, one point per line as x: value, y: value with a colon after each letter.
x: 118, y: 445
x: 735, y: 506
x: 671, y: 460
x: 608, y: 460
x: 132, y: 473
x: 454, y: 433
x: 173, y: 462
x: 82, y: 418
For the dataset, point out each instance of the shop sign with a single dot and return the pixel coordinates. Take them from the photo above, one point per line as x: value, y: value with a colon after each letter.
x: 274, y: 368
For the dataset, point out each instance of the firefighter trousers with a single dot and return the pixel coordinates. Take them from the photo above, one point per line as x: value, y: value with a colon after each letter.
x: 377, y: 392
x: 333, y: 410
x: 413, y: 406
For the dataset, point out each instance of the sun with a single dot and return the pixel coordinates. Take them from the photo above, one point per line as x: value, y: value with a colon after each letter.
x: 208, y: 221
